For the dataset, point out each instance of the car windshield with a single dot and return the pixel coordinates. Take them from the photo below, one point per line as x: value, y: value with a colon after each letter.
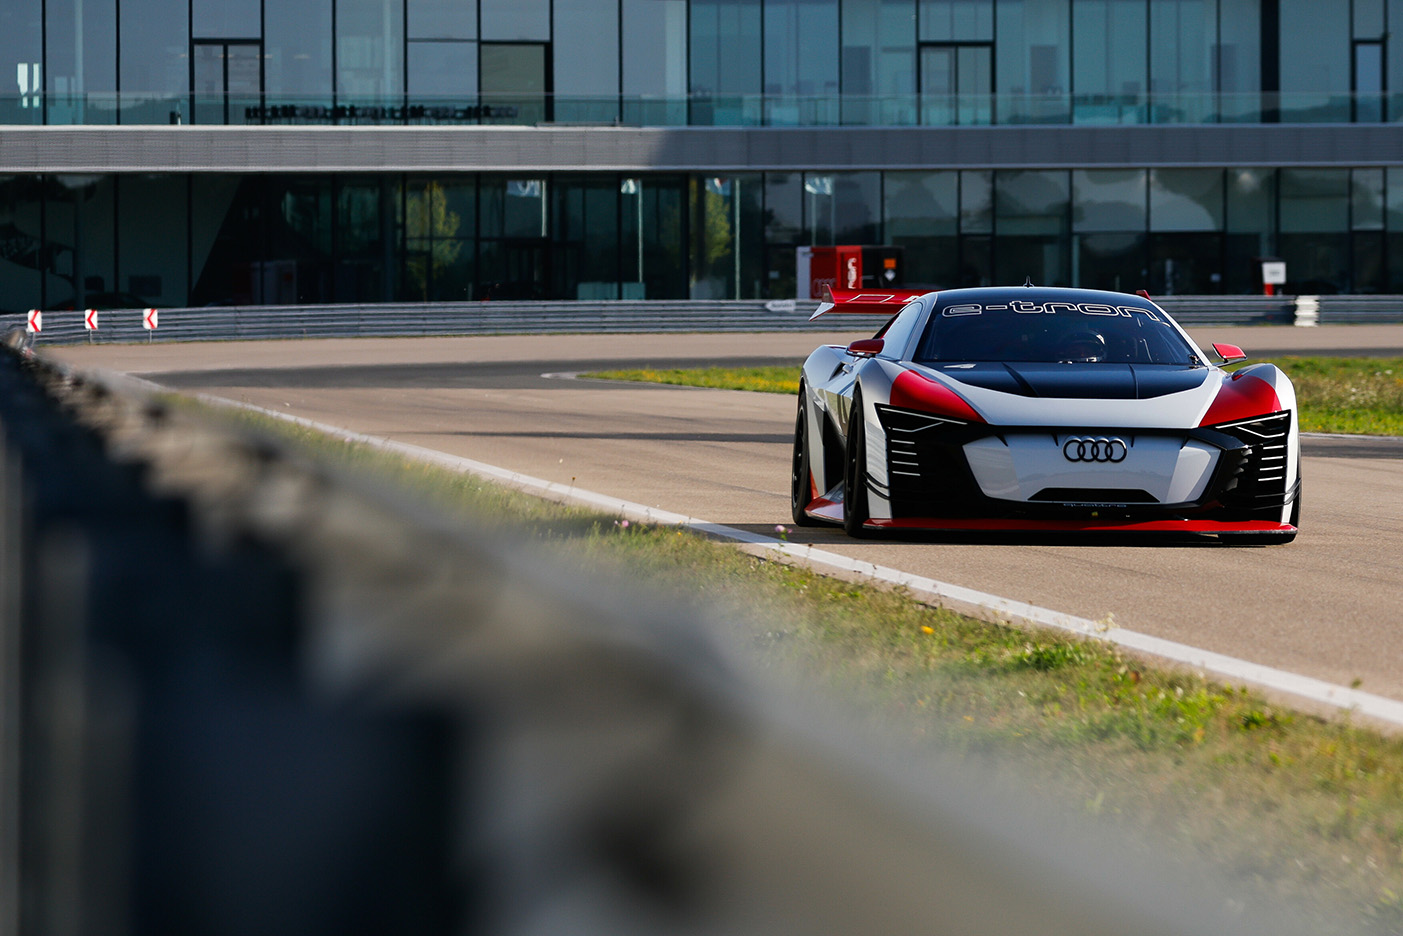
x: 1043, y: 330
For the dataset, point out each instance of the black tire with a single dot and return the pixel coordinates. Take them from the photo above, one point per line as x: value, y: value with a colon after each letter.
x: 799, y: 493
x: 855, y: 512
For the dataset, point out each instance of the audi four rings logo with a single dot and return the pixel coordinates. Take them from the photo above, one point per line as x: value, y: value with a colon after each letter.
x: 1095, y: 450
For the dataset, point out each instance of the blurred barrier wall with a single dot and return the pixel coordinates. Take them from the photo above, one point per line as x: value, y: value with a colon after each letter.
x: 242, y: 692
x: 472, y: 318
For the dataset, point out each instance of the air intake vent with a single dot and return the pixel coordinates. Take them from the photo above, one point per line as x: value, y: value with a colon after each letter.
x: 928, y: 475
x: 1260, y: 478
x: 1116, y: 496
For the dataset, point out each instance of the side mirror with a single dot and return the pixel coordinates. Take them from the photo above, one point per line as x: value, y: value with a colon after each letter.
x: 1230, y: 354
x: 867, y: 347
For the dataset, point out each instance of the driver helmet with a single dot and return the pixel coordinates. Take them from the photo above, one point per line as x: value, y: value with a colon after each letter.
x: 1084, y: 346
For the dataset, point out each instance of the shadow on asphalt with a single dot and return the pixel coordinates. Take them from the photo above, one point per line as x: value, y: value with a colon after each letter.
x: 823, y: 537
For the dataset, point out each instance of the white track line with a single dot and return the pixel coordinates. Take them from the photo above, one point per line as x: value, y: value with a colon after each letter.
x: 1231, y: 668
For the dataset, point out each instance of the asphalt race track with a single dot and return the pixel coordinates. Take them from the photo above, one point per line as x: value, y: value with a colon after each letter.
x: 1326, y: 606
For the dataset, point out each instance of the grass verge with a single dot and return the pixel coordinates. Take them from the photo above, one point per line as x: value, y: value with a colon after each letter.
x: 1348, y: 395
x: 1270, y: 799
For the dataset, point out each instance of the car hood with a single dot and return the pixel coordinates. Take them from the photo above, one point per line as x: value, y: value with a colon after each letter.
x: 1077, y: 381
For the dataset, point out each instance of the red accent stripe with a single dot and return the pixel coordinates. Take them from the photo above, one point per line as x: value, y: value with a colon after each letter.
x: 912, y: 391
x: 1242, y: 397
x: 1144, y: 526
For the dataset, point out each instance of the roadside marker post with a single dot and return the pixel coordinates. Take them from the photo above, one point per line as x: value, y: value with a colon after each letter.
x: 148, y: 322
x: 90, y: 323
x: 35, y: 323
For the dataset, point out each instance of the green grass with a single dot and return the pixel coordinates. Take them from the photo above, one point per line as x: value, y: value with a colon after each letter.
x: 1349, y: 395
x: 1269, y: 799
x: 761, y: 379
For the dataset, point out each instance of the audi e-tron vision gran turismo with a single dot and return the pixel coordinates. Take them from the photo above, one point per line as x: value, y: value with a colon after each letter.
x: 1041, y: 409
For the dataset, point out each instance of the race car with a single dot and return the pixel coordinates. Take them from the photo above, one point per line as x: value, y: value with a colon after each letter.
x: 1025, y: 408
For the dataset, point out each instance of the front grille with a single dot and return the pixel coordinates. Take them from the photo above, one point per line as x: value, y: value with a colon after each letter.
x: 927, y: 472
x: 1254, y: 478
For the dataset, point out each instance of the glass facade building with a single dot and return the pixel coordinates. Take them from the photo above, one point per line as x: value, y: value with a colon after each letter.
x: 691, y: 73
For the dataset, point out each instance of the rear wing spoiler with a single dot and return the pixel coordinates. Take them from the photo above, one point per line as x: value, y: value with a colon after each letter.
x: 872, y: 302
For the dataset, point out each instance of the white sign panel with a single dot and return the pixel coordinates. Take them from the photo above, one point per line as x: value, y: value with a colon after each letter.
x: 148, y: 320
x: 35, y: 323
x: 1273, y: 272
x: 90, y: 319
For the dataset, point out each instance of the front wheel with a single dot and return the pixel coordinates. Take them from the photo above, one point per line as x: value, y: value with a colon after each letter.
x: 855, y: 512
x: 800, y: 491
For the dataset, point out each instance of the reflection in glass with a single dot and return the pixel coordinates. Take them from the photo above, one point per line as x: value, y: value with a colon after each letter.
x: 1368, y: 19
x: 1186, y: 199
x: 441, y: 19
x: 298, y: 42
x: 977, y: 201
x: 1184, y: 35
x: 843, y: 207
x: 227, y: 85
x: 784, y: 208
x: 369, y: 50
x: 1251, y: 225
x: 515, y: 20
x: 1393, y: 178
x: 300, y: 233
x: 957, y: 20
x: 1314, y: 200
x: 1368, y: 82
x: 22, y: 257
x: 524, y: 208
x: 1109, y: 70
x: 1033, y: 61
x: 879, y: 62
x: 725, y: 57
x: 1032, y: 213
x: 956, y: 84
x: 1315, y: 71
x: 440, y: 227
x: 585, y: 237
x: 226, y: 19
x: 1314, y: 221
x: 81, y: 65
x: 442, y: 72
x: 726, y: 223
x: 155, y: 76
x: 1367, y: 199
x: 1108, y: 200
x: 801, y: 62
x: 1032, y: 202
x: 922, y: 215
x: 655, y: 62
x: 587, y: 66
x: 513, y: 81
x: 1239, y: 62
x: 360, y: 245
x: 79, y: 224
x: 21, y: 62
